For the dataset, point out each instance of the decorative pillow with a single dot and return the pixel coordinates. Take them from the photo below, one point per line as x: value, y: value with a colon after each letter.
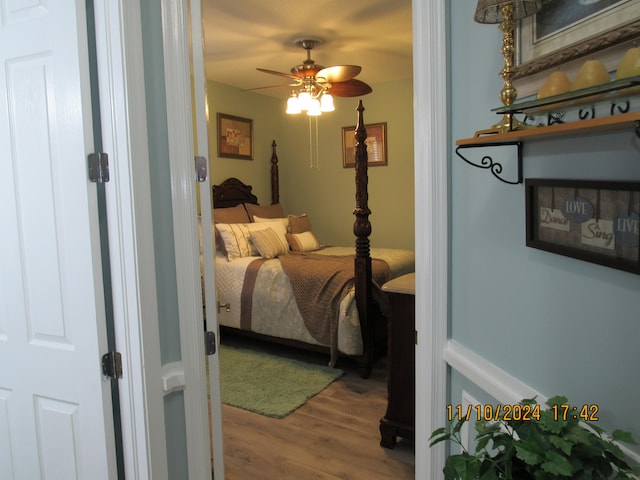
x: 269, y: 244
x: 283, y: 221
x: 235, y: 238
x: 303, y: 242
x: 264, y: 211
x: 236, y: 214
x: 299, y: 223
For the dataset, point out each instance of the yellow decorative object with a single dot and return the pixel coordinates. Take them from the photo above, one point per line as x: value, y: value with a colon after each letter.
x: 630, y: 64
x: 592, y: 72
x: 555, y: 84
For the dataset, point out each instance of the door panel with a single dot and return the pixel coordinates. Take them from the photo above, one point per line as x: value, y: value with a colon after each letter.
x: 55, y: 410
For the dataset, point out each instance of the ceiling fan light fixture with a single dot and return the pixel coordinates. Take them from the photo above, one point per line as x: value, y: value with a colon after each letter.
x: 293, y: 104
x: 304, y: 100
x: 314, y: 108
x: 326, y: 103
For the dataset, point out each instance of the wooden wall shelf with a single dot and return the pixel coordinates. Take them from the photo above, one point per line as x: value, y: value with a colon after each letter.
x: 517, y: 137
x: 581, y: 127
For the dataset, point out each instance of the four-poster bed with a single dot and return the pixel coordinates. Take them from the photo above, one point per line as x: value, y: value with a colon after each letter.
x: 267, y: 291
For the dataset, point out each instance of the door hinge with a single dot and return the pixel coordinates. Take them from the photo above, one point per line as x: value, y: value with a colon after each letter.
x: 201, y: 168
x: 210, y: 343
x: 98, y: 167
x: 112, y: 365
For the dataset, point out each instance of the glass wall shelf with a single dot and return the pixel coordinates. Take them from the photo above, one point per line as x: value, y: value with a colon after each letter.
x: 626, y: 87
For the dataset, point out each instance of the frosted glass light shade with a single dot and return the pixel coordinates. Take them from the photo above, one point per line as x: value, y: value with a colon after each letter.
x: 304, y: 100
x: 314, y: 108
x: 293, y: 105
x: 326, y: 103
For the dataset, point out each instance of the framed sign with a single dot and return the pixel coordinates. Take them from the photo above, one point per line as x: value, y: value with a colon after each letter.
x: 376, y: 143
x: 564, y: 30
x: 594, y: 221
x: 235, y: 137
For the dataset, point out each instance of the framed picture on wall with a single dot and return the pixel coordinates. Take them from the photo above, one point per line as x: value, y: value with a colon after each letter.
x: 594, y: 221
x: 235, y: 137
x: 376, y: 145
x: 564, y: 30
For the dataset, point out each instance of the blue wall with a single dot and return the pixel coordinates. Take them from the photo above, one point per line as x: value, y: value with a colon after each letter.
x: 561, y: 326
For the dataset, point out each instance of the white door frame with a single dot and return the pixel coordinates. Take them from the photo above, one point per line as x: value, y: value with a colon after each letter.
x: 431, y: 180
x: 175, y: 18
x: 211, y: 300
x: 124, y: 129
x: 431, y: 141
x: 124, y: 124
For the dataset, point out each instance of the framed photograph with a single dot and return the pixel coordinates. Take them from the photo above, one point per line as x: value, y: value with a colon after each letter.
x: 235, y: 137
x: 597, y: 222
x: 564, y: 30
x: 376, y: 143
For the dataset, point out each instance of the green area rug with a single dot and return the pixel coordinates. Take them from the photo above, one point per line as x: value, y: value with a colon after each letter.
x: 267, y: 384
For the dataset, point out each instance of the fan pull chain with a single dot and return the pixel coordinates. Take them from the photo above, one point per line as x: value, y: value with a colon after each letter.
x: 317, y: 147
x: 310, y: 146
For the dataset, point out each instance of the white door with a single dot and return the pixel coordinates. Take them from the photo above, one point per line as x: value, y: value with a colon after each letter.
x: 55, y: 408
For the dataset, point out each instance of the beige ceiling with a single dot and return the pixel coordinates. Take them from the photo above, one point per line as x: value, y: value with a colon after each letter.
x: 241, y: 35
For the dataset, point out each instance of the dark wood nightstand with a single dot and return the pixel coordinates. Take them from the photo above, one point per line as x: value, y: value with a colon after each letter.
x: 399, y: 419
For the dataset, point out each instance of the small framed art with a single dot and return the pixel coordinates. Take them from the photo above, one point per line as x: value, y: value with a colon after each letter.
x: 235, y: 137
x: 376, y: 145
x: 589, y: 220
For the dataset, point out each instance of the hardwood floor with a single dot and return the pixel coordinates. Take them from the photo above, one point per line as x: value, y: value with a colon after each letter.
x: 333, y: 436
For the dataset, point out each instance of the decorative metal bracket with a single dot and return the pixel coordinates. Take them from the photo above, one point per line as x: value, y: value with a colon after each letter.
x: 494, y: 167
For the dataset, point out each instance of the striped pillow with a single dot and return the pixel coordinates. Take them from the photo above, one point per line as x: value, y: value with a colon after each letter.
x: 303, y: 242
x: 268, y: 243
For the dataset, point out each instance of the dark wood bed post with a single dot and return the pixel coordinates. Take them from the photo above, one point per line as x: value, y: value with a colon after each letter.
x: 275, y: 181
x: 362, y: 230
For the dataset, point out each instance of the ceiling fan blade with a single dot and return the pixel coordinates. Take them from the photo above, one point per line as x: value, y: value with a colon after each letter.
x: 272, y: 86
x: 350, y: 88
x: 338, y: 73
x: 273, y: 72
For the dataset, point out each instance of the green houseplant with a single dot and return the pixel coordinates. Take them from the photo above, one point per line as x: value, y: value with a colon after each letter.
x: 526, y: 441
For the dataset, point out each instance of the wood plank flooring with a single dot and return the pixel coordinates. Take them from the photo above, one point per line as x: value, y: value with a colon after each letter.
x: 333, y: 436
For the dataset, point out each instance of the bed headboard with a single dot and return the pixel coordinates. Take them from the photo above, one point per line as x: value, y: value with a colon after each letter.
x: 232, y: 192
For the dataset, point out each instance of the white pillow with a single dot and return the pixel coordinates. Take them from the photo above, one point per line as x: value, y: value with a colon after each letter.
x: 269, y: 244
x: 284, y: 221
x: 237, y: 237
x: 303, y: 242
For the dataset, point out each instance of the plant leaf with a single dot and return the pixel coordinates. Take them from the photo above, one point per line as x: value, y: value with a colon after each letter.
x: 557, y: 400
x: 550, y: 424
x: 622, y: 436
x: 561, y: 443
x: 461, y: 467
x: 528, y: 453
x: 557, y: 465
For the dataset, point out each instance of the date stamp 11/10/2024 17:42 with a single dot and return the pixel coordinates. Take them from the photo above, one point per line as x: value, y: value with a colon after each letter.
x: 521, y: 412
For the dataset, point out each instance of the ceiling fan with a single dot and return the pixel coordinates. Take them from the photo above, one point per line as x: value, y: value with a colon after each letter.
x: 318, y: 82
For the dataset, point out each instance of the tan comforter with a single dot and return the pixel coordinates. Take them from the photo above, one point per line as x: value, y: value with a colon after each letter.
x: 319, y: 283
x: 274, y: 310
